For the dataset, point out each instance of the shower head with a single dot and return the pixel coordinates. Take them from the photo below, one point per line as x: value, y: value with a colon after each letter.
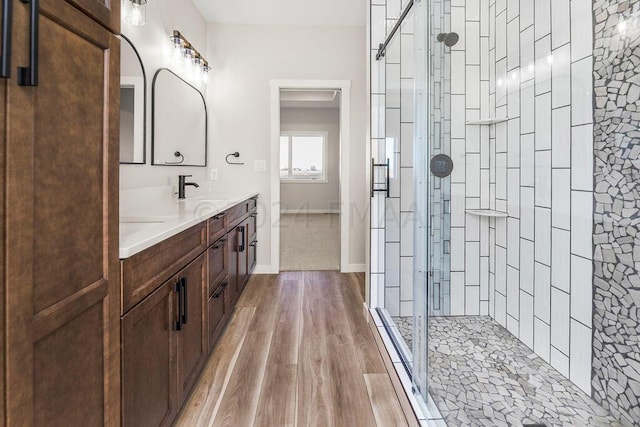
x: 449, y: 39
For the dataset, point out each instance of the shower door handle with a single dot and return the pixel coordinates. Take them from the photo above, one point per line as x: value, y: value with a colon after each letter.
x: 387, y: 167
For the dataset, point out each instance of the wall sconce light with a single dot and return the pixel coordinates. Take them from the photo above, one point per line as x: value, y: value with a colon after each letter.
x: 185, y: 50
x: 136, y: 13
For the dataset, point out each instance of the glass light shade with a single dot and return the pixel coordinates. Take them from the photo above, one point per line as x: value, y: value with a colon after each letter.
x: 137, y: 13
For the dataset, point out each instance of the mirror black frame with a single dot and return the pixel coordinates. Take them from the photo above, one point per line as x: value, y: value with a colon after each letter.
x: 153, y: 122
x: 144, y: 106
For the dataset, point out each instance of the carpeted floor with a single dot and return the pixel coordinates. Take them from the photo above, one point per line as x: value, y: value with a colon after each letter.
x: 309, y: 242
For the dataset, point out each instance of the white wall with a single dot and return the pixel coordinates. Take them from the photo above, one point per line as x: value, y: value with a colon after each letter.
x: 314, y: 197
x: 152, y: 43
x: 245, y: 58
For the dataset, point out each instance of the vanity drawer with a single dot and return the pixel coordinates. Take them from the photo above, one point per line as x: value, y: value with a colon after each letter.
x: 218, y: 264
x: 218, y: 313
x: 253, y: 204
x: 218, y: 226
x: 146, y: 271
x: 237, y: 213
x: 252, y: 226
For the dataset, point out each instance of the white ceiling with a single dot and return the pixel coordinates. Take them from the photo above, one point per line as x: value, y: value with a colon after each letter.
x: 284, y: 12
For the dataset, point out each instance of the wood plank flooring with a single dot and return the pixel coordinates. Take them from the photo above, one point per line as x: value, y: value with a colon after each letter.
x: 297, y: 352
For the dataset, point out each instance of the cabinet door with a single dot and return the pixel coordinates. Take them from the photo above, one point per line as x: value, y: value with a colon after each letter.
x: 106, y: 12
x: 218, y: 312
x: 233, y: 243
x: 61, y: 241
x: 243, y: 252
x: 218, y: 265
x: 149, y: 372
x: 192, y: 339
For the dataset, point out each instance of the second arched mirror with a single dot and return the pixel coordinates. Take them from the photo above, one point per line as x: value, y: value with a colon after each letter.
x: 133, y: 104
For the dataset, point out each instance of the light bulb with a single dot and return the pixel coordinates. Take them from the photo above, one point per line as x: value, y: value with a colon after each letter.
x: 137, y: 12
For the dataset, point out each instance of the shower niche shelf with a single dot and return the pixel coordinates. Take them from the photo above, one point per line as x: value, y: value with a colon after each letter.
x: 488, y: 213
x: 489, y: 121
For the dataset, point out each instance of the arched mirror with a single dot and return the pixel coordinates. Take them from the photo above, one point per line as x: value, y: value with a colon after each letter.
x: 133, y: 108
x: 179, y: 117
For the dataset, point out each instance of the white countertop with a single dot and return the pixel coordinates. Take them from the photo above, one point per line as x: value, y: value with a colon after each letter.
x: 149, y: 216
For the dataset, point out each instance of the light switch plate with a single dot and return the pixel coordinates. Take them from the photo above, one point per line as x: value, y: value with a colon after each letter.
x: 213, y: 174
x: 260, y: 165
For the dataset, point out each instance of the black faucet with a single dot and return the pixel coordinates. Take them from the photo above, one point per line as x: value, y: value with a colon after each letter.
x: 182, y: 184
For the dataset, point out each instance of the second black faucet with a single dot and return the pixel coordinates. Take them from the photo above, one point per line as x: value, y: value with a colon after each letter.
x: 182, y: 183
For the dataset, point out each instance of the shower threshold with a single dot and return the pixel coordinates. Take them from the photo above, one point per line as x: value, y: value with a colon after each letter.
x: 481, y: 375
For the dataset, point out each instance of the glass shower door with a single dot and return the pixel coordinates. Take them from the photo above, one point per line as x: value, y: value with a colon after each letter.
x: 433, y: 166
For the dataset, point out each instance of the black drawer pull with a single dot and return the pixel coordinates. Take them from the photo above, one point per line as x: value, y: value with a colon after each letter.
x: 220, y: 290
x: 28, y: 76
x: 220, y: 243
x: 220, y: 216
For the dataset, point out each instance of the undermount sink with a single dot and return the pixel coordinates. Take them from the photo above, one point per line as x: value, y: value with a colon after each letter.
x: 145, y: 219
x: 127, y: 228
x: 212, y: 199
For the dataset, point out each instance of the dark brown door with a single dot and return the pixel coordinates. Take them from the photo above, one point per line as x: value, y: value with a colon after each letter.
x: 218, y: 312
x: 243, y: 254
x: 232, y: 264
x: 192, y: 338
x: 218, y: 256
x: 149, y: 372
x: 61, y: 243
x: 106, y: 12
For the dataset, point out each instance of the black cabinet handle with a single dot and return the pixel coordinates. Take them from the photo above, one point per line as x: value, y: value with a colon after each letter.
x: 220, y: 243
x: 185, y: 300
x: 220, y: 216
x: 241, y: 245
x: 5, y: 59
x: 220, y: 290
x: 178, y: 289
x: 28, y: 76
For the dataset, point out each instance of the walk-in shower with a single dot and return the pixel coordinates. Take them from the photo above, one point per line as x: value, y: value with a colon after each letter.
x: 503, y: 251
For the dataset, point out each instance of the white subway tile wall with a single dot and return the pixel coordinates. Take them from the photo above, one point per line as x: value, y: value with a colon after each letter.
x: 536, y: 267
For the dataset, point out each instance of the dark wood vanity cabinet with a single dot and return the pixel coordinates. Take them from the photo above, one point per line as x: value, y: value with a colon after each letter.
x: 164, y: 347
x: 191, y: 335
x: 60, y: 361
x: 149, y: 374
x: 171, y: 321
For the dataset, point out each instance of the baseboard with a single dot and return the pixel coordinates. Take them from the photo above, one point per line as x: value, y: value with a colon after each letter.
x: 263, y: 269
x: 356, y: 268
x: 310, y: 211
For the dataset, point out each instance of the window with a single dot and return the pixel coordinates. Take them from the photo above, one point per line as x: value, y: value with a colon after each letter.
x: 303, y: 157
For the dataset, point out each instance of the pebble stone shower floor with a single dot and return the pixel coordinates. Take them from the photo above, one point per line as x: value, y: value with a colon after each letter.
x: 481, y: 375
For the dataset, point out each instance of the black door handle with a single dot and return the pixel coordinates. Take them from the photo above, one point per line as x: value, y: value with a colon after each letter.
x: 28, y: 76
x: 5, y: 59
x: 178, y: 290
x: 185, y: 300
x: 241, y: 245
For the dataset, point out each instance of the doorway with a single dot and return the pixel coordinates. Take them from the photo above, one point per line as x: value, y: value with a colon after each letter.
x: 310, y: 189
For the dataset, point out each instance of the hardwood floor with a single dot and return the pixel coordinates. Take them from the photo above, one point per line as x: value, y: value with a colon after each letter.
x: 298, y: 352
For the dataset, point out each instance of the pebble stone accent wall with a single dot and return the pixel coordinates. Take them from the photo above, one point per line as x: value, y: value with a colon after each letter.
x: 616, y: 338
